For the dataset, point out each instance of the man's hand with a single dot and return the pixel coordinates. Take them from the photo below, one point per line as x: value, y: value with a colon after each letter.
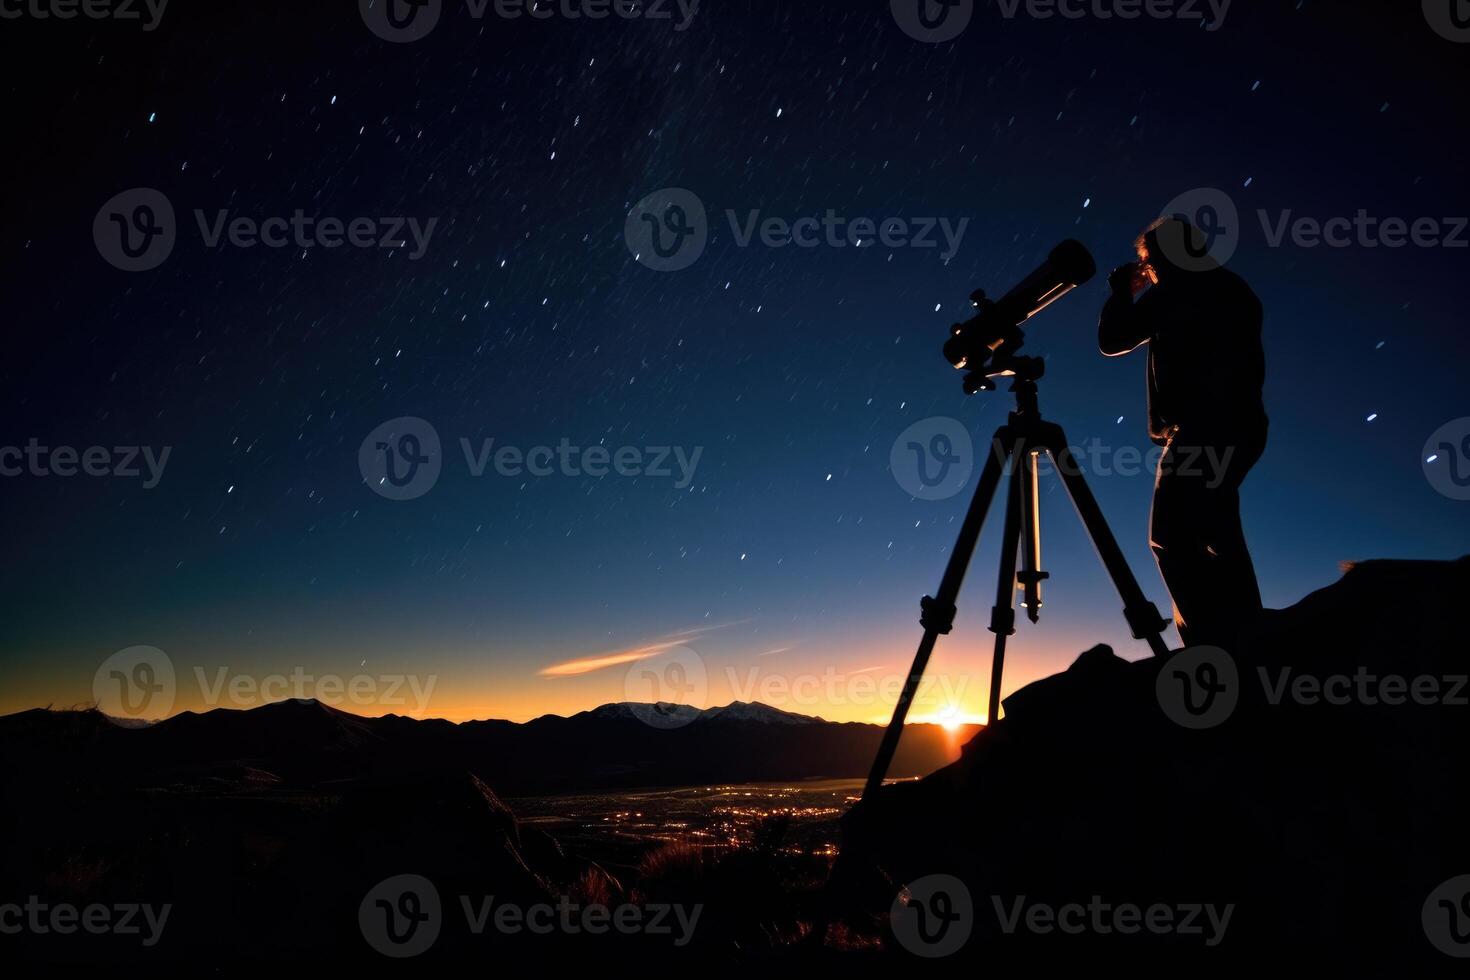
x: 1124, y: 279
x: 1124, y: 324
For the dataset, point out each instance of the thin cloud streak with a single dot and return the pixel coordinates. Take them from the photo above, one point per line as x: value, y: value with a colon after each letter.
x: 586, y: 665
x: 602, y: 661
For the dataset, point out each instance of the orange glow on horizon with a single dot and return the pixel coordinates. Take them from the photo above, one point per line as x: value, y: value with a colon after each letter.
x: 832, y: 678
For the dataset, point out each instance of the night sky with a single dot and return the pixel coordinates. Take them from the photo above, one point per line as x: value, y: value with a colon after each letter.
x: 793, y: 551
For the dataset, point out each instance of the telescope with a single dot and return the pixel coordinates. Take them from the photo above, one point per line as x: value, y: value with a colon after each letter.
x: 986, y: 345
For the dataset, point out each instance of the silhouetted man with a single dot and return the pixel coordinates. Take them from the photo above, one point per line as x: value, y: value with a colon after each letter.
x: 1205, y: 372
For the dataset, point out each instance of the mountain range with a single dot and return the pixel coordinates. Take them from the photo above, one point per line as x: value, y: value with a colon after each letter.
x: 616, y: 745
x: 262, y: 829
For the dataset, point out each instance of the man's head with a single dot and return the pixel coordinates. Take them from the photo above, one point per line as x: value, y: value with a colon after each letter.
x: 1170, y: 248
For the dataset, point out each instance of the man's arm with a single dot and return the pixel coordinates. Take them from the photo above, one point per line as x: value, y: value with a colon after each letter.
x: 1124, y: 325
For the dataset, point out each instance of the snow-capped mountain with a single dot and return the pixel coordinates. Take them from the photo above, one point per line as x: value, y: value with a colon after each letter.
x: 667, y: 714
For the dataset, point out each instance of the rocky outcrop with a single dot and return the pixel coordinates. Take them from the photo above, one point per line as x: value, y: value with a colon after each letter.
x: 1314, y: 782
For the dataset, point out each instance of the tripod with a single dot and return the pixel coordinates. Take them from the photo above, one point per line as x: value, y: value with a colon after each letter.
x: 1020, y: 441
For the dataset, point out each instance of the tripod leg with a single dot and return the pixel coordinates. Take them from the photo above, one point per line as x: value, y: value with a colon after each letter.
x: 1003, y: 613
x: 1143, y: 616
x: 939, y: 610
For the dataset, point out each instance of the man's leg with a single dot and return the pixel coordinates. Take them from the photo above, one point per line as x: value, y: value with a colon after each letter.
x: 1200, y: 544
x: 1237, y: 590
x: 1178, y: 544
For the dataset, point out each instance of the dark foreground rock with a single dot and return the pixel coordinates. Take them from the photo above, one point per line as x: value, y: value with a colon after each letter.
x: 1325, y: 828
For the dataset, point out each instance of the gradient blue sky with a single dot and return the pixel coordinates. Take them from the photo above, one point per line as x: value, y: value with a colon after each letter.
x: 529, y: 321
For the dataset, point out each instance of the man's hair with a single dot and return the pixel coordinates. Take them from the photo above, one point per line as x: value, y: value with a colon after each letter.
x: 1176, y: 231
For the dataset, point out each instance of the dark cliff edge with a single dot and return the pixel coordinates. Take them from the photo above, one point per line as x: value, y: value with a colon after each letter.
x: 1320, y: 791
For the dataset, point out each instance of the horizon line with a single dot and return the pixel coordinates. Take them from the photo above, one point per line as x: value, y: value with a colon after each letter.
x: 85, y: 706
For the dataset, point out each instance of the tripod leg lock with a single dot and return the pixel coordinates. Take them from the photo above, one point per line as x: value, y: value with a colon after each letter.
x: 1145, y: 620
x: 1002, y: 620
x: 938, y: 616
